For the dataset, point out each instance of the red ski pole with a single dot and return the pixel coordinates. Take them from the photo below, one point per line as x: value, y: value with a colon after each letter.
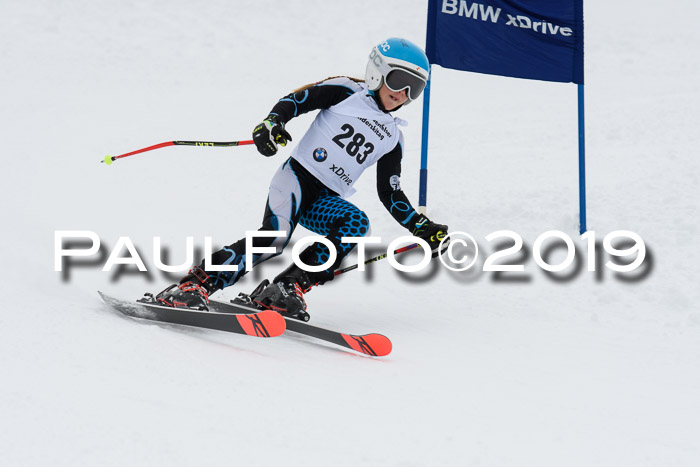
x: 109, y: 159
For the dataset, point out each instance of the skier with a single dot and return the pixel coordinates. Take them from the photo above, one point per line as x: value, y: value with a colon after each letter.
x: 353, y: 130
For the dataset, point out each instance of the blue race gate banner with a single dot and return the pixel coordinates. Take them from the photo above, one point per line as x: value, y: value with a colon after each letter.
x: 533, y: 39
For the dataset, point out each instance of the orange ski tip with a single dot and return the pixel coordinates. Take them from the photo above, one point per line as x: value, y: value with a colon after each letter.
x: 370, y: 344
x: 263, y: 324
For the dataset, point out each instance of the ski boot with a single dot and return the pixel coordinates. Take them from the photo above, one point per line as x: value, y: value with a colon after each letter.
x: 191, y: 292
x: 285, y: 294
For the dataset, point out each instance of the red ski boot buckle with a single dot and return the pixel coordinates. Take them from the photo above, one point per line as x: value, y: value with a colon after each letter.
x: 199, y: 274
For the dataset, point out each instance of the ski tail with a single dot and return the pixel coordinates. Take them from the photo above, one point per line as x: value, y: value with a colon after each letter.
x: 252, y: 323
x: 375, y: 345
x: 262, y: 324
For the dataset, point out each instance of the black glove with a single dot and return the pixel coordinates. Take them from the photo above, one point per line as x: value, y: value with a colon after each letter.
x: 429, y: 231
x: 269, y: 134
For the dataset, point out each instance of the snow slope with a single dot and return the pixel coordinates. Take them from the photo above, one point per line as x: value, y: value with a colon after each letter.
x: 593, y: 370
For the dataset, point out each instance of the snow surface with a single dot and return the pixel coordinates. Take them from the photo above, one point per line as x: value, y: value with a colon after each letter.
x: 590, y: 371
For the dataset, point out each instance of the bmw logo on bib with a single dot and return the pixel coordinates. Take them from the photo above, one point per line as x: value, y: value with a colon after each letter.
x: 320, y: 155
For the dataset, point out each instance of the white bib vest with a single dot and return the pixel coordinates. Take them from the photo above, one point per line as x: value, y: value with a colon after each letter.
x: 345, y: 139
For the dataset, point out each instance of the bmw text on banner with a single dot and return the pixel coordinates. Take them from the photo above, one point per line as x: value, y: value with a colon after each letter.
x: 535, y: 39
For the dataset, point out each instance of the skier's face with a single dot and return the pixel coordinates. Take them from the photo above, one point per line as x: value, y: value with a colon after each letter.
x: 392, y: 99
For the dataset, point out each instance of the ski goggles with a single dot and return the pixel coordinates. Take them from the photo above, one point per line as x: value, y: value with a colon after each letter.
x: 399, y: 79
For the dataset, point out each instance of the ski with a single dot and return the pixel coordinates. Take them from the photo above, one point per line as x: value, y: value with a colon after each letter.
x: 258, y: 323
x: 373, y: 344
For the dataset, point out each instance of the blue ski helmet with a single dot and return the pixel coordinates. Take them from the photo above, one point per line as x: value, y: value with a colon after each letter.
x: 400, y: 64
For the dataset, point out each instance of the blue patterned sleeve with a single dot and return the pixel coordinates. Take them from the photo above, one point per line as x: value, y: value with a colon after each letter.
x: 389, y: 187
x: 321, y: 95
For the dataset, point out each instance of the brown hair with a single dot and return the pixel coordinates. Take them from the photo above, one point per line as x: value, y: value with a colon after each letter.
x: 307, y: 86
